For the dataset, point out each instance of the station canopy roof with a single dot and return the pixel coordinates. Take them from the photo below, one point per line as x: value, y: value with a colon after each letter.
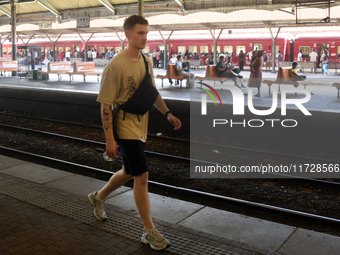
x: 60, y: 16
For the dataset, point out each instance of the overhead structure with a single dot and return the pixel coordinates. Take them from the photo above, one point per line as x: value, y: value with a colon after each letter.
x: 49, y: 7
x: 320, y: 4
x: 108, y: 5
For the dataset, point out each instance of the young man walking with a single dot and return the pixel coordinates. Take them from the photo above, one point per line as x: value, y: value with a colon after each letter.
x: 121, y: 78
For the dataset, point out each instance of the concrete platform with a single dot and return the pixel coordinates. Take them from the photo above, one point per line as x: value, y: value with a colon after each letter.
x: 324, y: 98
x: 45, y: 211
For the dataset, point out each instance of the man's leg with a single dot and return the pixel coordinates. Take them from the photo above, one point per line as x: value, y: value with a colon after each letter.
x: 141, y: 195
x: 116, y: 181
x: 96, y: 199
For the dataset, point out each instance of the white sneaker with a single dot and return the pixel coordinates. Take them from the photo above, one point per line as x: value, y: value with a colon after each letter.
x: 98, y: 205
x: 155, y: 238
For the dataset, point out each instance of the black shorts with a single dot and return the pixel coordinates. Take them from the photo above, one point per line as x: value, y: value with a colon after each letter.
x: 133, y: 155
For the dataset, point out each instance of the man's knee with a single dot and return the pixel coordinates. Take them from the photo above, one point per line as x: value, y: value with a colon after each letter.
x: 141, y: 179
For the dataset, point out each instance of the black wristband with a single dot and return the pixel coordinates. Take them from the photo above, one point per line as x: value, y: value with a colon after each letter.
x: 166, y: 114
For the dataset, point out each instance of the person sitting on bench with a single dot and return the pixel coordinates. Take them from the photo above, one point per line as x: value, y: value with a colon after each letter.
x: 294, y: 75
x: 226, y: 71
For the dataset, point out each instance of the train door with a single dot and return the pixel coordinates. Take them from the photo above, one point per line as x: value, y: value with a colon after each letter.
x: 320, y: 49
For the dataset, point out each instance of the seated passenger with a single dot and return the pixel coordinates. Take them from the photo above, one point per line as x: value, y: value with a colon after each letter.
x: 183, y: 71
x: 228, y: 63
x: 294, y: 75
x: 173, y: 61
x: 226, y: 71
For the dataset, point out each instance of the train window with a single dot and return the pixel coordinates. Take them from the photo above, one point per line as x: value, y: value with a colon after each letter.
x: 228, y: 50
x: 101, y: 51
x: 181, y: 49
x: 146, y: 49
x: 118, y: 49
x: 305, y: 51
x: 258, y: 46
x: 9, y: 50
x: 67, y: 49
x: 239, y: 48
x: 61, y: 49
x: 218, y: 49
x: 192, y: 49
x: 4, y: 50
x: 204, y: 50
x: 77, y: 48
x: 338, y: 51
x: 109, y: 48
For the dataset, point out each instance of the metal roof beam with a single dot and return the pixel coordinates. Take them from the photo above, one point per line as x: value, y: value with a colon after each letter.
x: 5, y: 11
x: 108, y: 5
x: 180, y: 3
x: 48, y: 7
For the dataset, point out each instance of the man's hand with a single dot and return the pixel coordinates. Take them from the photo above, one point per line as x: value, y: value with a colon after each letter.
x: 174, y: 121
x: 111, y: 148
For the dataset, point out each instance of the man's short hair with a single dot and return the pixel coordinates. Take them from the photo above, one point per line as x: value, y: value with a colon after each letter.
x: 294, y: 64
x: 179, y: 56
x: 130, y: 22
x: 221, y: 57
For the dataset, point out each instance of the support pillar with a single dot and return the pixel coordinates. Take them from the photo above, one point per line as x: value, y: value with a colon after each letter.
x: 165, y: 48
x: 141, y: 7
x: 215, y: 44
x: 14, y: 32
x: 85, y: 42
x: 122, y: 42
x: 55, y: 52
x: 274, y: 48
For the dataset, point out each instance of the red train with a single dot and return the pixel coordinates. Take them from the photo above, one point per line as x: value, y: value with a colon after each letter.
x: 230, y: 44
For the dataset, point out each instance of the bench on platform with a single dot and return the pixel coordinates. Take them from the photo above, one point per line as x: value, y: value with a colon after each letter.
x: 166, y: 76
x: 284, y: 78
x: 211, y: 75
x: 300, y: 66
x: 8, y: 66
x: 334, y: 65
x: 194, y: 63
x: 63, y: 67
x: 84, y: 68
x: 171, y: 74
x: 337, y: 85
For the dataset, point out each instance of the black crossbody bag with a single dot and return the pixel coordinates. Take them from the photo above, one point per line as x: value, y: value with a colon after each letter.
x: 140, y: 102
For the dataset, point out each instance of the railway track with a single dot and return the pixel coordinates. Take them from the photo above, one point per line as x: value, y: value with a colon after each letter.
x: 208, y: 146
x: 204, y: 195
x: 163, y: 156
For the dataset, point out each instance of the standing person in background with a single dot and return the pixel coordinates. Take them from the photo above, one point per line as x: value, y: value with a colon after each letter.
x: 250, y: 56
x: 112, y: 53
x: 161, y: 58
x: 279, y: 58
x: 300, y: 56
x: 269, y: 60
x: 94, y: 54
x: 107, y: 55
x: 325, y: 62
x: 241, y: 60
x: 300, y: 59
x: 89, y: 55
x: 154, y: 58
x: 312, y: 58
x: 68, y: 55
x: 255, y: 77
x: 157, y: 58
x: 126, y: 74
x: 60, y: 56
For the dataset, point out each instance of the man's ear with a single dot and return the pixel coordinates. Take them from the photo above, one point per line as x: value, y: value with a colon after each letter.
x: 127, y: 34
